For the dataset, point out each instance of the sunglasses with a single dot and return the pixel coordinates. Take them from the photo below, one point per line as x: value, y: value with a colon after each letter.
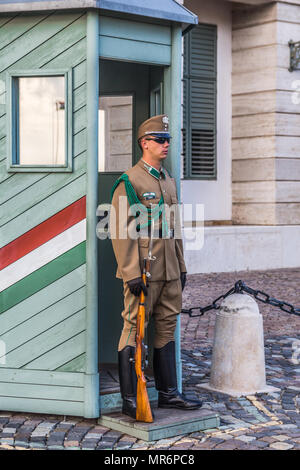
x: 160, y: 140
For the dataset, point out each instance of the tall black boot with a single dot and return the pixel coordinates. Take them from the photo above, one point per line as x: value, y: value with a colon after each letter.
x: 164, y: 365
x: 128, y: 380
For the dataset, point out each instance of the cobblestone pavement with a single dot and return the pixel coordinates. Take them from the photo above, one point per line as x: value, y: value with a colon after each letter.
x: 264, y: 421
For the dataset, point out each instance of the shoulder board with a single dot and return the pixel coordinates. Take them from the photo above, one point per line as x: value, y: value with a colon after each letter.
x: 123, y: 177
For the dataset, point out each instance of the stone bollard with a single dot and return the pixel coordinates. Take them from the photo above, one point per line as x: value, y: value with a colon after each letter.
x: 238, y: 358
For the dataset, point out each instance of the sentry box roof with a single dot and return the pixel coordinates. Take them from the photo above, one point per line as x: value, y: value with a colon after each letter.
x: 165, y: 10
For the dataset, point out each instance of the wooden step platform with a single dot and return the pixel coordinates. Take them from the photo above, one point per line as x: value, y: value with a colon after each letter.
x: 167, y: 423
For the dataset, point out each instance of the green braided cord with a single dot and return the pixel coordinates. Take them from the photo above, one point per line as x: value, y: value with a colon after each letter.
x: 145, y: 212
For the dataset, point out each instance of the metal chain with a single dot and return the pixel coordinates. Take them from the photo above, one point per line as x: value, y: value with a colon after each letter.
x: 238, y: 288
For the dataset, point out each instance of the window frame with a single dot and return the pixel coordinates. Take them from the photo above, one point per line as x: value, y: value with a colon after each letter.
x: 12, y: 109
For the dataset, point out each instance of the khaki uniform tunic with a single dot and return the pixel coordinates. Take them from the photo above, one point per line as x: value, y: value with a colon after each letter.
x: 164, y: 297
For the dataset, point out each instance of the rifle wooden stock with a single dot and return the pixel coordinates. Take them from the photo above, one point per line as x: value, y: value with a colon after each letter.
x: 143, y: 409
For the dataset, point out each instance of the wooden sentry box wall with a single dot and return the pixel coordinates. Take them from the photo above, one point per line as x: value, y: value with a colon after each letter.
x: 43, y: 312
x: 48, y: 244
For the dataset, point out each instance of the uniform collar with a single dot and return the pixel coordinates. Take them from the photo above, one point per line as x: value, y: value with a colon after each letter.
x: 153, y: 171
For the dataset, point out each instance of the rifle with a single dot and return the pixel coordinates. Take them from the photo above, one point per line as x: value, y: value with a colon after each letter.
x: 143, y: 409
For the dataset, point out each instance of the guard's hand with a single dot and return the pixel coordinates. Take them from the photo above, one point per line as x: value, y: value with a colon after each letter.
x: 183, y: 280
x: 136, y: 286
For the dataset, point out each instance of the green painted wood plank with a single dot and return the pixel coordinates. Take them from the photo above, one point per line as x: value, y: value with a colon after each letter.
x: 14, y: 29
x: 43, y: 210
x: 42, y: 377
x: 42, y: 406
x: 2, y: 99
x: 79, y: 74
x: 21, y: 181
x: 3, y: 126
x: 29, y: 353
x: 2, y: 148
x: 80, y: 142
x: 79, y: 97
x: 3, y: 157
x: 18, y: 183
x: 63, y: 352
x: 40, y: 190
x: 42, y: 392
x: 75, y: 365
x: 79, y: 120
x: 42, y: 277
x: 45, y: 30
x: 135, y: 51
x: 67, y: 47
x: 44, y: 299
x: 135, y: 30
x: 42, y: 321
x: 4, y: 175
x: 6, y: 19
x: 73, y: 55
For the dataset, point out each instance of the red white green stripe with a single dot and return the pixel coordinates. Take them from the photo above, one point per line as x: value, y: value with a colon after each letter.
x: 43, y: 232
x: 43, y: 244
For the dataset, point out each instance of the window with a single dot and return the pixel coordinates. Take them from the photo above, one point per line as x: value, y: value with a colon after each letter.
x: 156, y: 100
x: 115, y: 133
x: 38, y: 122
x: 199, y: 102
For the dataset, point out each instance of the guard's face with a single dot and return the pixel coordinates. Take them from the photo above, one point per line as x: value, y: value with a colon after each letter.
x: 157, y: 151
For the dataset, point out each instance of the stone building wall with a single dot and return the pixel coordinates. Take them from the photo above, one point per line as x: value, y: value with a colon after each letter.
x: 266, y: 115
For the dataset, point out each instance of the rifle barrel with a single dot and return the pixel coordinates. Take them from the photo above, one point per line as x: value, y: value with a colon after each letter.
x: 143, y: 409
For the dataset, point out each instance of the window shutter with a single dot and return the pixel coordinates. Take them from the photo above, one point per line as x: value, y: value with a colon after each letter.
x: 199, y: 102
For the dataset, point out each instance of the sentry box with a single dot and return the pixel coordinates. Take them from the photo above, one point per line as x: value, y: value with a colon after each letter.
x: 76, y: 80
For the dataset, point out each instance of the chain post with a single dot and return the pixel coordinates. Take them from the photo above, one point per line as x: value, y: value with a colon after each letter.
x: 239, y: 288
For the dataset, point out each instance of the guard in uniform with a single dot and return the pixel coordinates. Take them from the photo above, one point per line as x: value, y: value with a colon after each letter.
x: 148, y: 184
